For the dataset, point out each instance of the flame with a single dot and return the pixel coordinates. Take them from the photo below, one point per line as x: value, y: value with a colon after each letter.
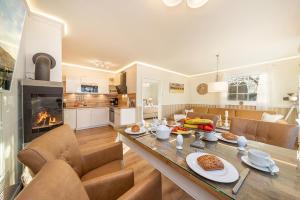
x: 52, y: 120
x: 42, y: 116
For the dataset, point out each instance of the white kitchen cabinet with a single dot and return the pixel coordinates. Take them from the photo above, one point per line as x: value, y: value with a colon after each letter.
x: 131, y: 76
x: 124, y: 116
x: 70, y: 117
x: 84, y: 119
x: 73, y: 85
x: 92, y: 117
x: 99, y: 116
x: 103, y: 86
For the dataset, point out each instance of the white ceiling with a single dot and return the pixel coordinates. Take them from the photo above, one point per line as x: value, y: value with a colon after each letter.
x: 182, y: 39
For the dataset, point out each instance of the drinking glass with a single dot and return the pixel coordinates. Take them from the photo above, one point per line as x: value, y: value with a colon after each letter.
x: 298, y: 162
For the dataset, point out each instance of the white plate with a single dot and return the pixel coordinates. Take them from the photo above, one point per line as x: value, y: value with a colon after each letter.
x: 264, y: 169
x: 219, y: 135
x: 227, y: 175
x: 128, y: 130
x: 183, y: 133
x: 211, y: 140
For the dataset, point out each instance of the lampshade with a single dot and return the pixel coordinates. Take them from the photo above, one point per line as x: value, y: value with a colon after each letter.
x: 196, y: 3
x: 172, y: 3
x: 217, y: 86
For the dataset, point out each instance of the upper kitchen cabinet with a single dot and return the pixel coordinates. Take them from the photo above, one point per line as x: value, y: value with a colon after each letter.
x: 103, y: 86
x: 83, y: 85
x: 131, y: 76
x: 73, y: 85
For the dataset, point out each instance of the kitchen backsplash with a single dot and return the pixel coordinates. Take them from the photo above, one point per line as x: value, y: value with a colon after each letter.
x: 96, y: 100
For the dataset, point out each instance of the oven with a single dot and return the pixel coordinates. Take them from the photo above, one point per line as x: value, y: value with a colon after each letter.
x: 111, y: 114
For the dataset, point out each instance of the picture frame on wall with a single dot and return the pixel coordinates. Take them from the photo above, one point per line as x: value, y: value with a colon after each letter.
x: 176, y: 88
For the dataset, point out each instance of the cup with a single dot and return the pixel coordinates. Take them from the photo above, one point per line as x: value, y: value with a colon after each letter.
x: 260, y: 158
x: 210, y: 136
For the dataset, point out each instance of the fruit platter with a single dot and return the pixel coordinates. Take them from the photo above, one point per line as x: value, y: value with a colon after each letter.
x: 204, y: 125
x: 179, y: 130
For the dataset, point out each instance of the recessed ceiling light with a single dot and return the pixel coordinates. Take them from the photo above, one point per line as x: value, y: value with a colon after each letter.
x: 172, y: 3
x: 190, y: 3
x: 196, y: 3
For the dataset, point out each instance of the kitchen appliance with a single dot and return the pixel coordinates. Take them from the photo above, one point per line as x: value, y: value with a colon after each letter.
x: 89, y: 89
x: 112, y: 115
x: 112, y: 89
x: 114, y: 101
x: 122, y: 88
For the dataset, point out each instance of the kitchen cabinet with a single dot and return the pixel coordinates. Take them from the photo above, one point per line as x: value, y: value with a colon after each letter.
x: 70, y: 117
x: 84, y: 118
x: 91, y: 117
x: 73, y: 85
x: 131, y: 76
x: 99, y: 116
x: 103, y: 86
x: 124, y: 116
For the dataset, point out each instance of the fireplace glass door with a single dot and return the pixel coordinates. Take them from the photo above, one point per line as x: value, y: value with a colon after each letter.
x: 47, y: 112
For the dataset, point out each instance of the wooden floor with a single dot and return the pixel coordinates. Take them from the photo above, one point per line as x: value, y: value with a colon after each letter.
x: 98, y: 136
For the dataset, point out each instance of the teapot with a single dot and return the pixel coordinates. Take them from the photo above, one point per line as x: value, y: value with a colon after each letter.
x: 163, y: 132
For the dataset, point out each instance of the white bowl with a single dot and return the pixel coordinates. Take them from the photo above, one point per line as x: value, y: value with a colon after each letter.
x: 259, y: 158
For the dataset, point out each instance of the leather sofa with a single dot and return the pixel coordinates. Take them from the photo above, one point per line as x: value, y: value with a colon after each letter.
x: 283, y: 135
x: 249, y: 114
x: 56, y: 180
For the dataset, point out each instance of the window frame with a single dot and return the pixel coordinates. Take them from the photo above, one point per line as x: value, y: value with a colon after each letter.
x: 237, y: 79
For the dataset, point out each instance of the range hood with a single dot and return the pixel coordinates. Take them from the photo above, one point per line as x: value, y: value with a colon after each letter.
x: 122, y: 88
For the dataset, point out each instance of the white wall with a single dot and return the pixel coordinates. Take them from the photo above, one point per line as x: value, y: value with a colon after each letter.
x: 94, y: 74
x: 37, y: 36
x: 43, y: 35
x: 282, y: 79
x: 151, y: 91
x: 164, y: 78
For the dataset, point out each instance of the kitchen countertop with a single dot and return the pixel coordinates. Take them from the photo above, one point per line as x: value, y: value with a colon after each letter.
x: 80, y: 107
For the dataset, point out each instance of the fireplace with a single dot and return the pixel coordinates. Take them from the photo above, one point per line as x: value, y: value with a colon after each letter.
x: 42, y: 107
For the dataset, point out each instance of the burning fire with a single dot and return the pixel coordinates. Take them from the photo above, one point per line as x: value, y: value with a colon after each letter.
x: 43, y: 117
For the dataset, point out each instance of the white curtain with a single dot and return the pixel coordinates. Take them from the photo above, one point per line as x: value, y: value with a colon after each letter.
x: 263, y: 91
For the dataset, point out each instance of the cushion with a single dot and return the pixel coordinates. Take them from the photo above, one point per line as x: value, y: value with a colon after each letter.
x: 178, y: 117
x: 56, y: 180
x: 188, y: 110
x: 271, y: 118
x: 203, y: 110
x: 59, y: 143
x: 104, y: 169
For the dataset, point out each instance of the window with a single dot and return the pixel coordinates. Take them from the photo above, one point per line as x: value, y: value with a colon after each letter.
x: 243, y: 88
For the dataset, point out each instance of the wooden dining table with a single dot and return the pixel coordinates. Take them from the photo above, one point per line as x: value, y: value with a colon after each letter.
x: 258, y: 185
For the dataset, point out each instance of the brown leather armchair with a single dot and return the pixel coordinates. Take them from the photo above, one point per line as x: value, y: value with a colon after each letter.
x: 56, y: 180
x: 61, y: 143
